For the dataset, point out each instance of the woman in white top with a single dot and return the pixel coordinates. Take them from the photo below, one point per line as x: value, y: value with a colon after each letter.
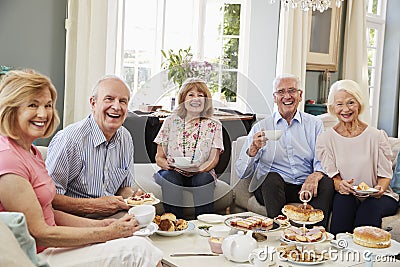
x: 351, y: 152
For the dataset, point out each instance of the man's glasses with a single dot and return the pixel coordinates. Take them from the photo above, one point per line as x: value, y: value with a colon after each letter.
x: 290, y: 91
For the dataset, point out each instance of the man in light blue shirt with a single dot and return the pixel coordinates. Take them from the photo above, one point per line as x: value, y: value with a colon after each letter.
x: 281, y: 169
x: 91, y: 161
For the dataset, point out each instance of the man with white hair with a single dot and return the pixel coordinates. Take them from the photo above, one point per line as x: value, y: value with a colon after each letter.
x: 91, y: 161
x: 281, y: 169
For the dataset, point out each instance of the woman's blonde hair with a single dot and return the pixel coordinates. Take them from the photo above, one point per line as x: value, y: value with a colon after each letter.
x: 16, y: 88
x: 200, y: 86
x: 348, y: 86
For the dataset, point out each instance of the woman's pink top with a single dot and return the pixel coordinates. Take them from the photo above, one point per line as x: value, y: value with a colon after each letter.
x: 16, y: 160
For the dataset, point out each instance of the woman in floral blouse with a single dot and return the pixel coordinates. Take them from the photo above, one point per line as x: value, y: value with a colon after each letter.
x: 189, y: 132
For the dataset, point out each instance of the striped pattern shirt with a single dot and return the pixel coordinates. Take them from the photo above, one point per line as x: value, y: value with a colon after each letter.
x: 83, y: 164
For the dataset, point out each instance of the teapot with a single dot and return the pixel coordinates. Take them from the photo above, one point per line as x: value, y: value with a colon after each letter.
x: 238, y: 247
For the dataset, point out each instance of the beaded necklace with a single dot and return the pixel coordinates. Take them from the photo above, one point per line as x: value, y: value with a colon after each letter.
x: 195, y: 144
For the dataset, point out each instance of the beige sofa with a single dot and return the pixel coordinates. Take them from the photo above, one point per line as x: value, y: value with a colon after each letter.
x: 245, y: 201
x: 223, y: 196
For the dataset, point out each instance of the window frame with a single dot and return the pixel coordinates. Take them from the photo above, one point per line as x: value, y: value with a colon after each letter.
x: 377, y: 22
x: 198, y: 38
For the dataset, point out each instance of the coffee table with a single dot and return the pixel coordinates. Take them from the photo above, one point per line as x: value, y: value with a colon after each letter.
x: 192, y: 242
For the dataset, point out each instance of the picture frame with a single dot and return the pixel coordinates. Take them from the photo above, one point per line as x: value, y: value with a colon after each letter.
x: 324, y: 39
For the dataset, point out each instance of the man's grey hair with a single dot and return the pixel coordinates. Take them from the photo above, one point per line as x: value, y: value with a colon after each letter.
x: 286, y: 76
x: 95, y: 89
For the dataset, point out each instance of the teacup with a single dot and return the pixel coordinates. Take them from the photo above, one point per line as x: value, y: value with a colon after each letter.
x: 273, y: 134
x: 260, y: 257
x: 182, y: 161
x: 219, y: 231
x: 144, y: 214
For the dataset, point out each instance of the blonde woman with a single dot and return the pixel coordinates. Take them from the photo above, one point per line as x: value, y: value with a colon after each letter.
x: 27, y: 112
x: 189, y: 132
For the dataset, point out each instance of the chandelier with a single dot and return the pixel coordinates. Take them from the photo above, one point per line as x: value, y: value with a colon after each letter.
x: 306, y: 5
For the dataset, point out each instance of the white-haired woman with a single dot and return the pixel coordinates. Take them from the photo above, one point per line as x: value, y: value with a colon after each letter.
x: 189, y: 132
x: 351, y: 152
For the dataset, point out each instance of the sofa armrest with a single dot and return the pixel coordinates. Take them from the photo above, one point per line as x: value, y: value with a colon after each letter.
x: 240, y: 186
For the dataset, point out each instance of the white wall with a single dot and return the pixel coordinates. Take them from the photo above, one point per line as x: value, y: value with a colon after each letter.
x: 261, y: 49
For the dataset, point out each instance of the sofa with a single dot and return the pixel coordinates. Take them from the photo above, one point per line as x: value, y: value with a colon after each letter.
x: 245, y: 201
x: 223, y: 195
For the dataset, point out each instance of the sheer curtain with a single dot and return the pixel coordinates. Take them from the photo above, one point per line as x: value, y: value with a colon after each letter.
x: 92, y: 28
x: 293, y: 45
x: 355, y: 66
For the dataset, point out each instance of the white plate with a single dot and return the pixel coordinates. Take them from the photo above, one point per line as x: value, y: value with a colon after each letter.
x: 323, y: 238
x: 370, y: 190
x: 190, y: 227
x: 211, y: 218
x: 154, y: 202
x: 148, y: 230
x: 257, y: 229
x: 185, y: 166
x: 305, y: 262
x: 347, y: 240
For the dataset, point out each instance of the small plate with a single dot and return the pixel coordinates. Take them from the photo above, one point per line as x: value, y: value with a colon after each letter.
x: 258, y: 229
x: 148, y: 230
x: 190, y: 227
x: 211, y: 218
x: 323, y: 238
x: 154, y: 202
x: 185, y: 166
x: 370, y: 190
x: 306, y: 262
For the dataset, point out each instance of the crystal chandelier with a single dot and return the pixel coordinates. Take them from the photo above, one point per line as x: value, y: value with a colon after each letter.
x: 305, y: 5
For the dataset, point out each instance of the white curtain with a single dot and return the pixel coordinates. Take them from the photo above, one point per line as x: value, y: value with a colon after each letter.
x: 355, y: 66
x: 293, y: 45
x: 92, y: 30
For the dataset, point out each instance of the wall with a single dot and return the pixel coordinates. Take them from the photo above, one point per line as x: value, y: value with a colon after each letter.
x: 32, y: 35
x: 389, y: 98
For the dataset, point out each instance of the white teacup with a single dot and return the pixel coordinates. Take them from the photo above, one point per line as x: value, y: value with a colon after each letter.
x: 219, y: 231
x: 273, y: 134
x: 261, y: 256
x: 144, y: 214
x: 183, y: 161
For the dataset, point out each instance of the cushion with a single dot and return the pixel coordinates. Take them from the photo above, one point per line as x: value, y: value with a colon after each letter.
x: 16, y: 222
x: 11, y: 252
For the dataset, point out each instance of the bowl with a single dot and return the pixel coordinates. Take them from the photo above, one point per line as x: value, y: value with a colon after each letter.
x: 183, y: 161
x: 273, y: 134
x: 219, y: 231
x: 216, y: 244
x: 144, y: 214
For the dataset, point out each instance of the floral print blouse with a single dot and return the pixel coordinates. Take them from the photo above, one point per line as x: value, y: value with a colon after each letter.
x: 178, y: 137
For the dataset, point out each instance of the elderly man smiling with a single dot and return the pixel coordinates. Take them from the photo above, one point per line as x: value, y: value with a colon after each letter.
x: 91, y: 161
x: 282, y: 169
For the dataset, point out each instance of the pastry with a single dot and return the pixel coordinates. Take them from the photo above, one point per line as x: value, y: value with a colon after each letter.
x: 316, y: 216
x: 166, y: 225
x: 181, y: 224
x: 146, y: 198
x: 168, y: 216
x: 371, y: 237
x: 363, y: 186
x: 303, y: 214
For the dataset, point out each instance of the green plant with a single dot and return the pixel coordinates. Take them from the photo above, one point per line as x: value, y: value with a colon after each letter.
x: 178, y: 64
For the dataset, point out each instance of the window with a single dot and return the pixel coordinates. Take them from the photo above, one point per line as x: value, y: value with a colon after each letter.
x: 376, y: 16
x: 211, y: 28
